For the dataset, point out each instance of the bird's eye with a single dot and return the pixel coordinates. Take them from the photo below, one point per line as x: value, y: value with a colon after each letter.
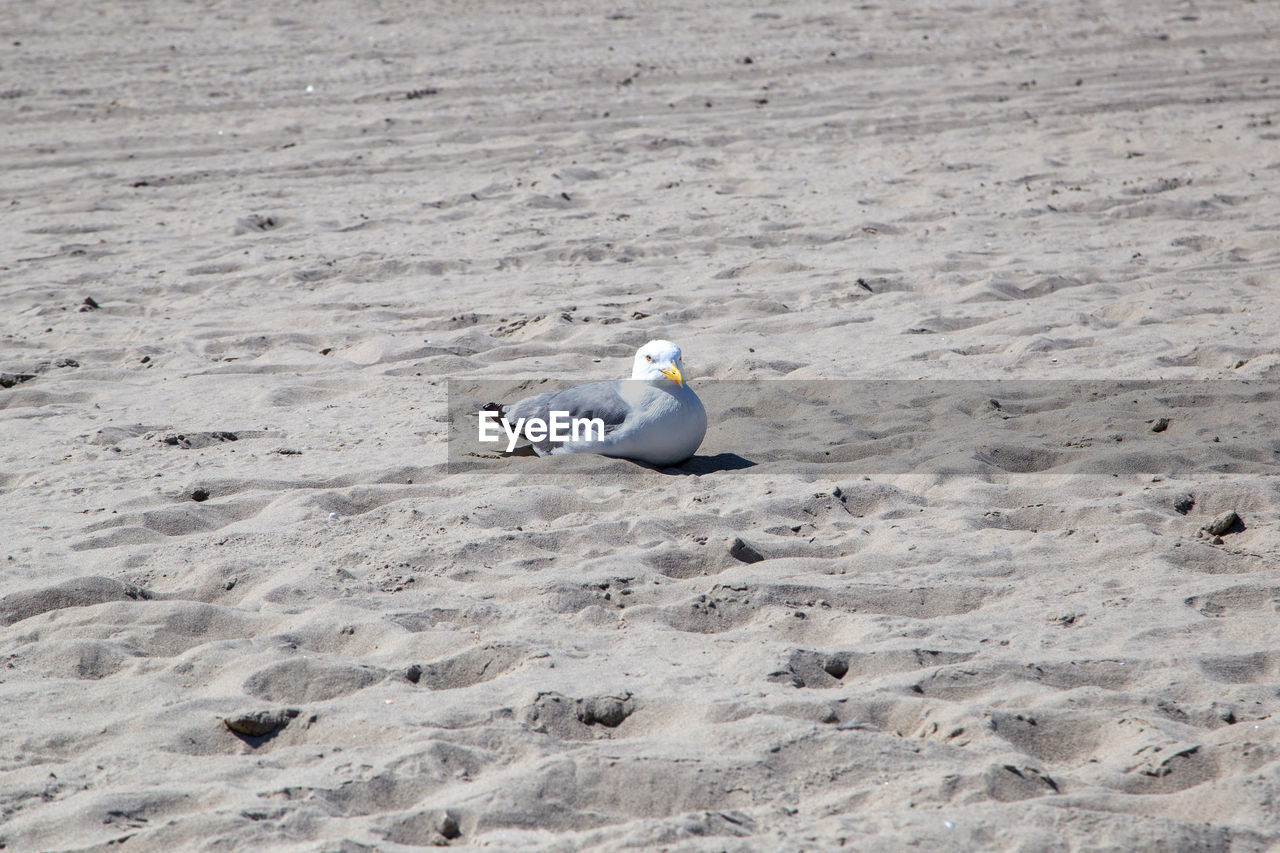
x: 648, y: 358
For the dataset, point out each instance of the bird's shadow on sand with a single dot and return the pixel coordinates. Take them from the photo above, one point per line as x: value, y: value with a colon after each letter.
x: 699, y: 465
x: 696, y: 467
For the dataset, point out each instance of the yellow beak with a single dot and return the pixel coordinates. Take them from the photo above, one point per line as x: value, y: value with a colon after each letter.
x: 673, y: 373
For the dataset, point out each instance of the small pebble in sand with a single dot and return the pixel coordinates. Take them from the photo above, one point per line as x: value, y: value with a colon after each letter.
x: 449, y: 827
x: 1223, y: 524
x: 333, y: 516
x: 608, y: 711
x: 744, y: 552
x: 259, y: 723
x: 1184, y: 503
x: 1160, y: 425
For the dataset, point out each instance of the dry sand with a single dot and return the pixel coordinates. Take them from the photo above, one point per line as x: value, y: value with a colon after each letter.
x: 298, y: 220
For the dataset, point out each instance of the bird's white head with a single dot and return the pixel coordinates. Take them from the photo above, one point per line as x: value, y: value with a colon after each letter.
x: 659, y: 361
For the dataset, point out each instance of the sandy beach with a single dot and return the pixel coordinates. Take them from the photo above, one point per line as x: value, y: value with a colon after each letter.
x: 254, y: 597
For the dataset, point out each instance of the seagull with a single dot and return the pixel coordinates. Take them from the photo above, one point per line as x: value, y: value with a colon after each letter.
x: 652, y: 417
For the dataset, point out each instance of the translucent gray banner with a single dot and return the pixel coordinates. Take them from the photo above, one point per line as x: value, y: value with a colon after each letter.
x: 970, y: 428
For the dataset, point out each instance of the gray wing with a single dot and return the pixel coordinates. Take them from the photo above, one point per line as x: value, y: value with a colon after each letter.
x: 593, y: 400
